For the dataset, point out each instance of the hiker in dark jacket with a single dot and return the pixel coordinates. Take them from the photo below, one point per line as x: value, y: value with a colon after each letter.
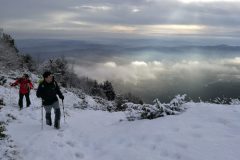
x: 25, y: 87
x: 48, y: 90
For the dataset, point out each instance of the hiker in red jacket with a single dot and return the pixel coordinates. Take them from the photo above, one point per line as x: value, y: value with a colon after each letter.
x: 25, y: 87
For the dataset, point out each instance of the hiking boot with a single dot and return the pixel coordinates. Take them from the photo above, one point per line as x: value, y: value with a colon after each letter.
x: 20, y: 107
x: 49, y: 122
x: 48, y: 119
x: 28, y: 104
x: 57, y: 124
x: 57, y: 118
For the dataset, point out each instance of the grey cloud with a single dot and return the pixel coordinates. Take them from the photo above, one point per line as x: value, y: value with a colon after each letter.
x: 169, y: 12
x: 27, y: 14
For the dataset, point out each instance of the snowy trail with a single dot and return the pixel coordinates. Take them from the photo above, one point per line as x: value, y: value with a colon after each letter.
x: 203, y: 132
x: 72, y: 141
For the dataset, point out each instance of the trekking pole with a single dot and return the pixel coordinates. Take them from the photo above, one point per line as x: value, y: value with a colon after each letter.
x: 42, y: 117
x: 12, y: 97
x: 10, y: 101
x: 63, y: 111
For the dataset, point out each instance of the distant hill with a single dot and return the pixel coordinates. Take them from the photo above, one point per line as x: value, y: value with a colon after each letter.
x: 48, y: 48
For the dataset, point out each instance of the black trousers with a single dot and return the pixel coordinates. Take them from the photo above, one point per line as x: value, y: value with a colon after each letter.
x: 20, y: 102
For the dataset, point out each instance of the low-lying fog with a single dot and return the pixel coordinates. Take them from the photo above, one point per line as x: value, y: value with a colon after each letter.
x: 150, y: 70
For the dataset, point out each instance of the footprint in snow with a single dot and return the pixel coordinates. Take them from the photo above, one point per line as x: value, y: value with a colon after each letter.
x: 177, y: 156
x: 181, y: 145
x: 164, y: 153
x: 79, y: 155
x: 223, y: 121
x: 153, y: 147
x: 196, y: 126
x: 129, y: 145
x: 86, y: 143
x: 59, y: 144
x: 60, y: 134
x: 159, y: 138
x: 176, y: 129
x: 70, y: 143
x: 31, y: 116
x: 196, y: 135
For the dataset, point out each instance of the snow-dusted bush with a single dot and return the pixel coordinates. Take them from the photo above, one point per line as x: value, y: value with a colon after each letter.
x: 158, y: 109
x: 223, y: 100
x: 2, y: 129
x: 177, y: 102
x: 235, y: 102
x: 3, y: 80
x: 138, y: 111
x: 1, y: 102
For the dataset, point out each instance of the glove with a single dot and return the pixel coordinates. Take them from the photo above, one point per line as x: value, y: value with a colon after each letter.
x: 61, y: 97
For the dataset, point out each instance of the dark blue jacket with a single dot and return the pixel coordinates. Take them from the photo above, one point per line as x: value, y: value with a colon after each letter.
x: 48, y: 92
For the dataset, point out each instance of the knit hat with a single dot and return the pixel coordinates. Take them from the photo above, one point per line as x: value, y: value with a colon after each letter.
x: 26, y: 75
x: 46, y: 74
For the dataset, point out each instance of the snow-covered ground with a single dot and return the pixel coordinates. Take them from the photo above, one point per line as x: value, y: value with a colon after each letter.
x: 202, y: 132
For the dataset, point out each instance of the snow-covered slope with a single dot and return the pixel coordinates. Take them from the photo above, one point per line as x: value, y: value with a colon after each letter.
x: 202, y: 132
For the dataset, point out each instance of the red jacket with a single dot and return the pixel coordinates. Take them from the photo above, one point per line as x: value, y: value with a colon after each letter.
x: 25, y: 85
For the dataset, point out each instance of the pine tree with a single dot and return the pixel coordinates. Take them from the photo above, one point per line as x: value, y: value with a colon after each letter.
x: 109, y: 91
x: 132, y: 98
x: 96, y: 90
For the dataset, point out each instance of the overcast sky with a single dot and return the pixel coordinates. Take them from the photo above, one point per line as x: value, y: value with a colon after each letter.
x: 138, y: 19
x: 114, y: 18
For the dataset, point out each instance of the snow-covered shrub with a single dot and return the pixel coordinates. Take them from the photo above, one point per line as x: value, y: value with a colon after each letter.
x: 3, y: 80
x: 177, y: 102
x: 101, y: 104
x: 152, y: 111
x: 2, y: 129
x: 158, y: 109
x: 222, y: 100
x: 235, y: 102
x: 1, y: 102
x: 133, y: 111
